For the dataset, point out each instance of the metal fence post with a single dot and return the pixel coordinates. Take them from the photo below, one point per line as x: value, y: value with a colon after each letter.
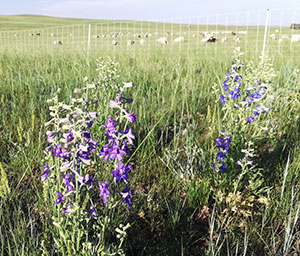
x: 89, y: 37
x: 266, y: 32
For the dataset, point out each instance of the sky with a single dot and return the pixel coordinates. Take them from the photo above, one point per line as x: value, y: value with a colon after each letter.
x: 158, y: 9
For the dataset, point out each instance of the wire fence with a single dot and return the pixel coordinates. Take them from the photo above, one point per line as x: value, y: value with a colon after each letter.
x: 275, y: 31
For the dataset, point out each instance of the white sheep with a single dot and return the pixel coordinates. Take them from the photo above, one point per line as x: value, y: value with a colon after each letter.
x: 130, y: 42
x: 209, y: 39
x: 295, y: 38
x: 224, y: 39
x: 162, y: 40
x: 179, y: 39
x: 143, y: 41
x: 273, y: 37
x: 57, y: 42
x: 114, y: 42
x: 236, y: 39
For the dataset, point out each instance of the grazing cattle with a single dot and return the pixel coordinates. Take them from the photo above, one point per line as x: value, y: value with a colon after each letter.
x: 162, y: 40
x: 130, y: 42
x: 57, y: 42
x: 143, y: 41
x: 209, y: 39
x: 179, y: 39
x: 114, y: 42
x: 295, y: 38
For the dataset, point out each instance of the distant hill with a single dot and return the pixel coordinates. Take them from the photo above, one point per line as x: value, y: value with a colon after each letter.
x: 20, y: 22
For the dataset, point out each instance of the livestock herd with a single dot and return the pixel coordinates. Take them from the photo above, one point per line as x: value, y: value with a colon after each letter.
x: 178, y: 37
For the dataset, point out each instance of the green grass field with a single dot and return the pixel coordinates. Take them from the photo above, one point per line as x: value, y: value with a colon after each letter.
x: 172, y: 211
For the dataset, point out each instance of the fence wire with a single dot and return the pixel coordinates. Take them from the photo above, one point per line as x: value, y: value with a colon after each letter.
x: 202, y: 35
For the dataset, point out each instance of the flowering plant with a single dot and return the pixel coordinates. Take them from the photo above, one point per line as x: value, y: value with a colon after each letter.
x: 82, y: 224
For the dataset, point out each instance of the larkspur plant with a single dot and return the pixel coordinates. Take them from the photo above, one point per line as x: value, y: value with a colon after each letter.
x: 223, y: 145
x: 82, y: 227
x: 120, y: 137
x: 245, y: 94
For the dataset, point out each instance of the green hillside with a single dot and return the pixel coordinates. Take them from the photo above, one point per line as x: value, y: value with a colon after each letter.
x: 19, y: 22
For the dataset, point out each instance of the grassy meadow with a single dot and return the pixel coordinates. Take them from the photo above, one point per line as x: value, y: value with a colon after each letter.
x: 180, y: 205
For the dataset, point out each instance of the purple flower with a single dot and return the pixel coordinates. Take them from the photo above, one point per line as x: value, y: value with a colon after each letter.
x: 66, y: 181
x: 46, y: 172
x: 51, y: 135
x: 104, y: 192
x: 89, y: 123
x: 131, y: 117
x: 121, y: 172
x: 70, y: 136
x: 223, y: 168
x: 113, y: 104
x: 223, y: 99
x: 126, y: 195
x: 113, y: 151
x: 87, y: 136
x: 129, y: 135
x: 223, y: 144
x: 110, y: 127
x: 92, y: 210
x: 93, y: 114
x: 250, y: 119
x: 60, y: 197
x: 61, y: 152
x: 67, y: 209
x: 88, y: 180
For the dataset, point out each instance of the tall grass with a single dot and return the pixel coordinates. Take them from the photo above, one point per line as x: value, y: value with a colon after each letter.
x: 176, y: 106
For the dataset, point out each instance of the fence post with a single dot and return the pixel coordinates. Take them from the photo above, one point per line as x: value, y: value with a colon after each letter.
x: 266, y: 32
x: 89, y: 37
